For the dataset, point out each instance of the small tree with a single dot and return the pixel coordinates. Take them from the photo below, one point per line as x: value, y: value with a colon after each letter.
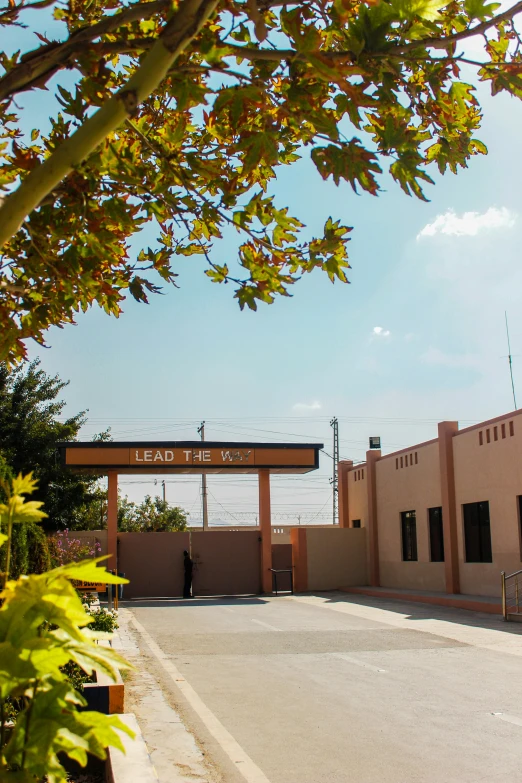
x: 152, y: 515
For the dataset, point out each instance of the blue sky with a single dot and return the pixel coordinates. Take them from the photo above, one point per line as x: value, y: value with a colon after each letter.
x: 433, y: 278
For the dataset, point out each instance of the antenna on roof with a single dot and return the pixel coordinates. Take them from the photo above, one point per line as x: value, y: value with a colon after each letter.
x: 510, y: 360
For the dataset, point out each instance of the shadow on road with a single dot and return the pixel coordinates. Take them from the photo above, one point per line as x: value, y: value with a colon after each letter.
x: 419, y: 611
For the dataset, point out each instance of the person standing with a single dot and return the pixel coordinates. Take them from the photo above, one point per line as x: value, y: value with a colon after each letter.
x: 188, y: 566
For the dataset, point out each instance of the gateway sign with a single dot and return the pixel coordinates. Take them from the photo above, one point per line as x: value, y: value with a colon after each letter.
x: 192, y: 456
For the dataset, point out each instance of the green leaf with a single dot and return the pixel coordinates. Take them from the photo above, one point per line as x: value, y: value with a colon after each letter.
x: 478, y: 9
x: 350, y: 162
x: 425, y: 9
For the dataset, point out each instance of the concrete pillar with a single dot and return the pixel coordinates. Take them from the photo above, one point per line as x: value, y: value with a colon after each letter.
x: 265, y: 522
x: 343, y: 468
x: 112, y: 521
x: 447, y: 429
x: 372, y: 458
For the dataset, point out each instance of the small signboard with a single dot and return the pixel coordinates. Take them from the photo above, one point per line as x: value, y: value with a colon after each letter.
x: 375, y: 442
x: 90, y: 587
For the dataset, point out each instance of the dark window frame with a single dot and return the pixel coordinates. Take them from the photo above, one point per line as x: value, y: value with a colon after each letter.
x: 436, y: 534
x: 477, y: 532
x: 409, y: 536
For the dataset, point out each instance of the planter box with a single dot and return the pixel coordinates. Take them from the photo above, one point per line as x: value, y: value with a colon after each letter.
x: 104, y: 695
x: 135, y: 766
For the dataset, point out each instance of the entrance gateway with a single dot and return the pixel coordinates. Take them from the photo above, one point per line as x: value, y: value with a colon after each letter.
x: 191, y: 457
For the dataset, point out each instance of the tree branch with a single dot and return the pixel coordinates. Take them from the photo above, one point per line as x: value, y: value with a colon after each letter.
x: 179, y: 31
x: 37, y: 67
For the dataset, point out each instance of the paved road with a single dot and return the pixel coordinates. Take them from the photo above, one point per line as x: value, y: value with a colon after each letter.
x: 341, y: 689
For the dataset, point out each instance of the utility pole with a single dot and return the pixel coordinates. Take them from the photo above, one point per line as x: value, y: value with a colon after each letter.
x: 164, y: 493
x: 201, y: 431
x: 333, y: 481
x: 510, y: 360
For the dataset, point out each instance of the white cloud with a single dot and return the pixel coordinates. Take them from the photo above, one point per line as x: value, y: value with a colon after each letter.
x: 469, y: 223
x: 380, y: 331
x: 305, y: 407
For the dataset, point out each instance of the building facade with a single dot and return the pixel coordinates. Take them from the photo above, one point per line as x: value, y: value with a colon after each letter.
x: 441, y: 516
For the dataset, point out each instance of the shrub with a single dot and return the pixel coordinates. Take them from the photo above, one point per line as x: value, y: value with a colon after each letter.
x: 43, y: 632
x: 103, y: 620
x: 64, y: 549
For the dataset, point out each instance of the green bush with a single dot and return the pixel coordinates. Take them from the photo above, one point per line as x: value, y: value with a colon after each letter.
x: 44, y: 629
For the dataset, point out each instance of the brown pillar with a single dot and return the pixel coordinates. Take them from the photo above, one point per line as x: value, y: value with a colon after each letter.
x: 265, y: 522
x: 112, y: 521
x: 447, y: 429
x: 343, y: 468
x: 299, y: 559
x: 372, y: 458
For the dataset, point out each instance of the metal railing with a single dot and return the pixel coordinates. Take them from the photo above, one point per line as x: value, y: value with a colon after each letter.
x: 511, y: 593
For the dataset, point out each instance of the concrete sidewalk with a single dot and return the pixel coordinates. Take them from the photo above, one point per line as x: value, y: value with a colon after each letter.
x: 473, y: 603
x: 331, y: 687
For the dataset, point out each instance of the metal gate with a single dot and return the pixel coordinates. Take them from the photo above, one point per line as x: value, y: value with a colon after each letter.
x: 226, y: 562
x: 153, y: 562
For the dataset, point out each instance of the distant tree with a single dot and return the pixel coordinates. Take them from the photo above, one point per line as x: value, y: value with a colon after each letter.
x: 181, y: 113
x: 153, y: 515
x: 30, y: 428
x: 91, y: 515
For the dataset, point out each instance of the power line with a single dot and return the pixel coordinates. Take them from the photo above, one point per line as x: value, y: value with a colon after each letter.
x: 334, y: 423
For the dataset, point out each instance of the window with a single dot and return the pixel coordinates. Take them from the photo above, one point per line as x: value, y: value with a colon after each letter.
x: 511, y: 429
x: 481, y: 439
x: 436, y: 535
x: 356, y: 523
x: 495, y: 433
x: 503, y: 428
x: 477, y: 532
x: 409, y: 535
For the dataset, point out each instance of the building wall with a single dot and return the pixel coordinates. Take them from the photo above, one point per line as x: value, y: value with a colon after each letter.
x: 408, y: 481
x: 493, y: 472
x: 358, y: 495
x: 336, y: 558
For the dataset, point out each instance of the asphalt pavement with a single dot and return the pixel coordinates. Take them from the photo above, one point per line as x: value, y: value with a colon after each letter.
x: 337, y: 688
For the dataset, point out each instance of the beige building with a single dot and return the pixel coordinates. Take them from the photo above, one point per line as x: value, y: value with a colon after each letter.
x: 441, y: 516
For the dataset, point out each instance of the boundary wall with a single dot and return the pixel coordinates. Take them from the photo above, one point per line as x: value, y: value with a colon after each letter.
x: 331, y: 558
